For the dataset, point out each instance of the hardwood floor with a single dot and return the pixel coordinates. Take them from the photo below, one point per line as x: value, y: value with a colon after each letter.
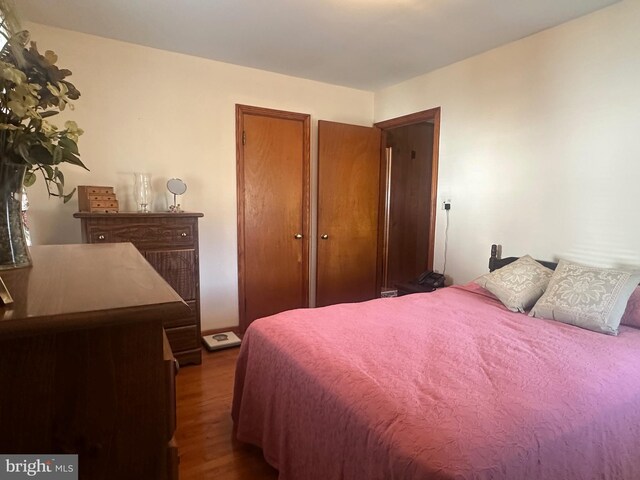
x: 204, y: 434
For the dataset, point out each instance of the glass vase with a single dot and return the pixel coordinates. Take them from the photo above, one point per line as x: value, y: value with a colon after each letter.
x: 14, y: 252
x: 142, y: 192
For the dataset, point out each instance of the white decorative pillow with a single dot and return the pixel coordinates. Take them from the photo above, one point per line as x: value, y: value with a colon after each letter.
x: 517, y: 285
x: 588, y: 297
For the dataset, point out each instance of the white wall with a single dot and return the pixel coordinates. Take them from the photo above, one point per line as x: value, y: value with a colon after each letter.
x: 540, y: 144
x: 173, y: 115
x: 540, y: 141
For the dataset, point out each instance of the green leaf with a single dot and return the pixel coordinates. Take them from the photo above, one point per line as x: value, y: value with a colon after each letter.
x: 39, y: 154
x: 29, y: 179
x: 42, y: 138
x: 72, y: 159
x: 69, y: 145
x: 68, y: 196
x: 49, y: 171
x: 57, y: 155
x: 60, y: 189
x: 59, y: 175
x: 23, y: 150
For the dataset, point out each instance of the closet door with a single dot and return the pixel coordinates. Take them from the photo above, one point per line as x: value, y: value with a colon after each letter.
x: 348, y: 210
x: 273, y: 210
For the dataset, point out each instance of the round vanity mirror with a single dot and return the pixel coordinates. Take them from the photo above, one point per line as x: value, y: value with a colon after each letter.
x: 177, y: 187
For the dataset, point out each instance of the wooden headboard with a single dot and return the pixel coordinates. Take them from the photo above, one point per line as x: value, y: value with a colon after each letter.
x: 496, y: 262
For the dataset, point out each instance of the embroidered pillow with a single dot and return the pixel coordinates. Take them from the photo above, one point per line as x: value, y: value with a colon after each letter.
x: 517, y: 285
x: 631, y: 317
x: 473, y: 287
x: 588, y: 297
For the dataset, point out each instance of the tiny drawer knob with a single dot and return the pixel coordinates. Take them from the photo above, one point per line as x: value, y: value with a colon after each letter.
x: 324, y: 237
x: 100, y: 237
x: 183, y: 234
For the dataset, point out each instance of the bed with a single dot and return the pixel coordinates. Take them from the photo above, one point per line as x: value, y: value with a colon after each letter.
x: 442, y: 385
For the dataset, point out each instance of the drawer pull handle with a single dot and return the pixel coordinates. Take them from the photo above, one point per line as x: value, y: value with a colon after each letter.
x: 183, y: 234
x: 100, y: 237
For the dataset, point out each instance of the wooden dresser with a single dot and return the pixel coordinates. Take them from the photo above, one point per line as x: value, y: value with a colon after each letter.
x: 84, y: 367
x: 169, y: 242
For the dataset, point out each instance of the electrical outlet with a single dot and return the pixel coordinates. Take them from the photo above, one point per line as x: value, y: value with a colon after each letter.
x: 446, y: 205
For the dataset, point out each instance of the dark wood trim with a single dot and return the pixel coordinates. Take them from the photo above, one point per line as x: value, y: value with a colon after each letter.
x: 417, y: 117
x: 136, y: 214
x: 269, y: 112
x: 381, y: 212
x: 496, y: 262
x: 430, y: 116
x: 241, y: 111
x: 435, y: 159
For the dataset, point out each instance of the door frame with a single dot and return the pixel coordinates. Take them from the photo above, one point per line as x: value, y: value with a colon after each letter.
x: 305, y: 119
x: 432, y: 116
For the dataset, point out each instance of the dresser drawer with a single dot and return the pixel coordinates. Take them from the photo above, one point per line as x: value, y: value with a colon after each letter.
x: 144, y: 235
x: 184, y: 321
x: 96, y: 190
x: 99, y: 235
x: 183, y: 338
x: 94, y: 197
x: 102, y: 204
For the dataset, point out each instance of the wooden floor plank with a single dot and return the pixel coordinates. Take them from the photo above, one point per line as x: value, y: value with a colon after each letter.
x: 204, y: 434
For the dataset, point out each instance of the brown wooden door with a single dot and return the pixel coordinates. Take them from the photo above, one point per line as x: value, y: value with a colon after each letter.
x: 348, y: 209
x: 273, y: 184
x: 410, y: 201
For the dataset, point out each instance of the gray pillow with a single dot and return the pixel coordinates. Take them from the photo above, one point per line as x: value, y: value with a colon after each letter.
x: 588, y: 297
x: 517, y: 285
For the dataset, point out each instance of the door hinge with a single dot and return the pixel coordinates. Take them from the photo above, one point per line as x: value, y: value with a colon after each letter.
x: 244, y: 137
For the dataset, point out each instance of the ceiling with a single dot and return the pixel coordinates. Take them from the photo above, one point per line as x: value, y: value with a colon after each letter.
x: 366, y: 44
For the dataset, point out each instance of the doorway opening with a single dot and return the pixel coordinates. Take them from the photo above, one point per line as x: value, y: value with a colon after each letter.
x: 408, y: 196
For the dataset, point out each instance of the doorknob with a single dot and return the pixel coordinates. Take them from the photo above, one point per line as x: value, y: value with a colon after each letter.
x: 297, y: 236
x: 324, y: 237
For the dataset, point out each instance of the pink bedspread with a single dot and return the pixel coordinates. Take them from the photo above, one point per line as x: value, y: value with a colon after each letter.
x: 443, y: 385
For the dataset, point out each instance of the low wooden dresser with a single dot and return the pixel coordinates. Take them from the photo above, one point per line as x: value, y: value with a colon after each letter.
x: 84, y: 364
x: 169, y: 242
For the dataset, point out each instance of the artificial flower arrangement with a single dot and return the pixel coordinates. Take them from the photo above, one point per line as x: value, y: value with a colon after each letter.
x: 32, y: 90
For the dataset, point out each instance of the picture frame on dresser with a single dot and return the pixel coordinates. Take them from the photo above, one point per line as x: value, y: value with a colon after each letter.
x: 169, y: 242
